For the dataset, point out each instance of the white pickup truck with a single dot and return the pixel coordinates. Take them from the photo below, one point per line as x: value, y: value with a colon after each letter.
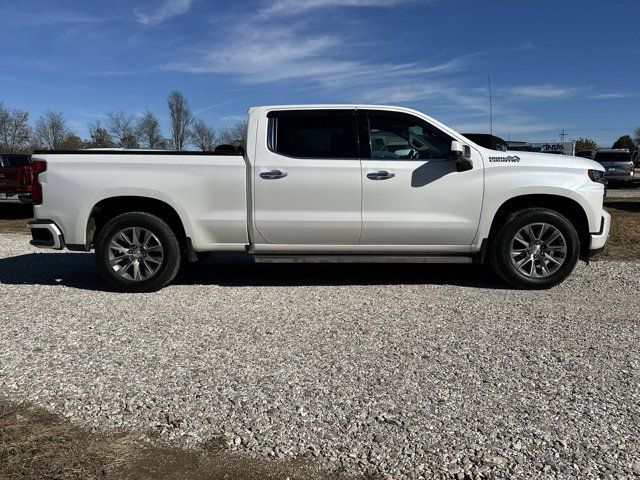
x: 324, y: 183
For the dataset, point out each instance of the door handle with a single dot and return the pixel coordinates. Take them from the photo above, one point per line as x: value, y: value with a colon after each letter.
x: 273, y: 174
x: 380, y: 175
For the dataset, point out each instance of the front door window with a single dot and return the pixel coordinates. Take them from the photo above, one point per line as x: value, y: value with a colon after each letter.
x: 396, y: 137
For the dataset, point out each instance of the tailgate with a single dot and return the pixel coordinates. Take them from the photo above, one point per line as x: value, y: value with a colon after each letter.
x: 616, y: 166
x: 14, y: 179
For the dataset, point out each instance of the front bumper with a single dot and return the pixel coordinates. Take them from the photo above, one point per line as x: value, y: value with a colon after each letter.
x: 599, y: 240
x: 45, y: 234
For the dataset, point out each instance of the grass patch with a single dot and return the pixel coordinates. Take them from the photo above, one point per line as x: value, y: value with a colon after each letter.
x: 624, y: 239
x: 36, y: 444
x: 215, y: 444
x: 14, y: 216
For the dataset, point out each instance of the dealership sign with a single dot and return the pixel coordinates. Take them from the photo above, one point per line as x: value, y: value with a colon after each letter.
x: 566, y: 148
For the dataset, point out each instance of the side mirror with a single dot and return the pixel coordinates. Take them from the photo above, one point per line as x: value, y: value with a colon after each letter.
x: 462, y: 155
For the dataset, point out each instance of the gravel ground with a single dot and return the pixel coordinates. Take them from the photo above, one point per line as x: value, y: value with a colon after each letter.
x: 623, y: 193
x: 407, y: 371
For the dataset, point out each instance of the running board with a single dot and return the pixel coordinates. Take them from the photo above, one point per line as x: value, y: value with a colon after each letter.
x: 362, y: 259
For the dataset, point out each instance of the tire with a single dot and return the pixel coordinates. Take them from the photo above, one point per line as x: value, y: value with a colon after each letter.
x: 156, y: 252
x: 539, y: 272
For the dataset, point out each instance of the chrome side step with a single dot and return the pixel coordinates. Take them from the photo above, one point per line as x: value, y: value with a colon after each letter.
x: 362, y: 259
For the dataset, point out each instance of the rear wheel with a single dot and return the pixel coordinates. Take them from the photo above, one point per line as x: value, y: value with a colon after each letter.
x: 535, y: 248
x: 137, y: 252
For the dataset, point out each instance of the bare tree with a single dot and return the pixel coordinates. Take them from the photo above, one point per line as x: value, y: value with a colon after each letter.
x: 72, y: 142
x: 51, y: 130
x: 203, y: 136
x: 14, y: 129
x: 235, y: 135
x: 180, y: 117
x: 99, y: 136
x: 149, y: 129
x: 123, y: 129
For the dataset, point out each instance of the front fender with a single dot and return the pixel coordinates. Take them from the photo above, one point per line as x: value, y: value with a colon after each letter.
x: 587, y: 198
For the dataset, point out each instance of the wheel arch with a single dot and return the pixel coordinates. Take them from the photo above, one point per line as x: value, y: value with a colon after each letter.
x: 110, y: 207
x: 566, y: 206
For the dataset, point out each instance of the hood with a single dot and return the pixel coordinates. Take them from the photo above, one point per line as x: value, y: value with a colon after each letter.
x: 543, y: 160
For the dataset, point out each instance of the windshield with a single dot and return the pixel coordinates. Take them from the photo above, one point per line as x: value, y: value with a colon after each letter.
x: 612, y: 157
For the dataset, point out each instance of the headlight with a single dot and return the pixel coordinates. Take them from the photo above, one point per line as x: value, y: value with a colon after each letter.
x: 597, y: 176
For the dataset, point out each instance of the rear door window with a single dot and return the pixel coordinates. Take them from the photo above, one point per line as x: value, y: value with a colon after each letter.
x: 314, y: 134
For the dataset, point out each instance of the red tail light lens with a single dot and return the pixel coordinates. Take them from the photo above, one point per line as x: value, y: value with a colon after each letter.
x: 37, y: 167
x: 26, y: 179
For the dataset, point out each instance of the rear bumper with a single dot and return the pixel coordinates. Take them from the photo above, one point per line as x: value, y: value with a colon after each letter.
x: 15, y: 197
x: 599, y: 240
x: 619, y: 177
x: 46, y: 234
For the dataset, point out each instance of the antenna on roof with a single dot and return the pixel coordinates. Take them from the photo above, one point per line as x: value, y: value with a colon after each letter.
x: 490, y: 107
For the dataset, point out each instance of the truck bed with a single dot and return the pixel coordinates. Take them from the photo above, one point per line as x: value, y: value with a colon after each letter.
x: 207, y: 190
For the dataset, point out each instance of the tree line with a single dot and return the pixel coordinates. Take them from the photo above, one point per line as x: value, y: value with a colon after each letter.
x: 119, y: 130
x: 625, y: 141
x: 124, y: 130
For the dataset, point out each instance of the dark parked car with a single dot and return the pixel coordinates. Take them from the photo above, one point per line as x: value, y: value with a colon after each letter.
x: 617, y: 164
x: 584, y: 153
x: 487, y: 141
x: 526, y: 148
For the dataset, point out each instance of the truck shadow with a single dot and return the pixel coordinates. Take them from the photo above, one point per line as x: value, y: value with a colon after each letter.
x: 77, y: 270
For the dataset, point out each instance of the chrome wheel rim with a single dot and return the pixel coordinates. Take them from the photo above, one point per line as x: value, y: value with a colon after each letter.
x: 538, y: 250
x: 135, y: 253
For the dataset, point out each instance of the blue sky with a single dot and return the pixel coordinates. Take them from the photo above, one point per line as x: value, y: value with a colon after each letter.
x: 572, y: 64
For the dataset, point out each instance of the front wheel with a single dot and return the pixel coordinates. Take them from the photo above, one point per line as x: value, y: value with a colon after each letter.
x: 535, y: 248
x: 137, y: 252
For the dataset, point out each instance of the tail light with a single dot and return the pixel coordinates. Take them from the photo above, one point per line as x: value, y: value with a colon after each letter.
x: 37, y: 167
x: 26, y: 179
x: 631, y: 167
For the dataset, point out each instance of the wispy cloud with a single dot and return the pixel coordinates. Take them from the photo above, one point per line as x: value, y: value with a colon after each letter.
x: 293, y: 7
x: 610, y: 96
x: 289, y: 49
x: 507, y: 126
x: 543, y: 91
x: 285, y: 50
x: 208, y: 108
x: 166, y: 10
x: 98, y: 115
x: 48, y: 19
x: 286, y: 54
x: 434, y: 93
